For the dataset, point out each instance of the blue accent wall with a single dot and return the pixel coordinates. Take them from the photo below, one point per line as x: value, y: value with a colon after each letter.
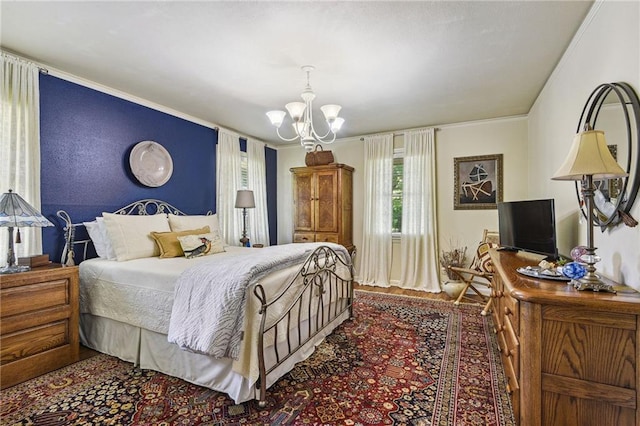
x: 86, y: 137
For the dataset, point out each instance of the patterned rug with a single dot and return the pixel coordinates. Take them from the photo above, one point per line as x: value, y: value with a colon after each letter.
x: 402, y: 361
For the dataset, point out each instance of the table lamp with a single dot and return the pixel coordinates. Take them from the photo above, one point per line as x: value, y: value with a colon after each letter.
x: 244, y: 200
x: 589, y: 158
x: 15, y: 212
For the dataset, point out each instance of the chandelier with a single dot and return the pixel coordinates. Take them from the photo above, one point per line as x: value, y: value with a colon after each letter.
x: 302, y: 115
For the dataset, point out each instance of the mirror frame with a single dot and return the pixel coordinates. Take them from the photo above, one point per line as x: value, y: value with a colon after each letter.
x: 627, y: 97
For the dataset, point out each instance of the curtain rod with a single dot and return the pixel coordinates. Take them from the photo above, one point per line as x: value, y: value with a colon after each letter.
x: 245, y: 137
x: 405, y: 131
x: 14, y: 56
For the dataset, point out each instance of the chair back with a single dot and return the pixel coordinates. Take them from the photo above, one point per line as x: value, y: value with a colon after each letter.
x: 482, y: 261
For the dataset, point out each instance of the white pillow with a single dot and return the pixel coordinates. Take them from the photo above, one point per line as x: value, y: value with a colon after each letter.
x: 110, y: 252
x: 184, y: 223
x: 95, y: 233
x: 130, y: 235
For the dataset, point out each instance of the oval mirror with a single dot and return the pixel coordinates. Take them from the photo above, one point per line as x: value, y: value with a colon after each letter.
x: 615, y: 109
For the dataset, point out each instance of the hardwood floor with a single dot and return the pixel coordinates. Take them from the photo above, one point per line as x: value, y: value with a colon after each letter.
x: 86, y: 353
x: 403, y: 292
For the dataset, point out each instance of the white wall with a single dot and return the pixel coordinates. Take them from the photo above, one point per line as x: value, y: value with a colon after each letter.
x: 501, y: 136
x: 605, y: 49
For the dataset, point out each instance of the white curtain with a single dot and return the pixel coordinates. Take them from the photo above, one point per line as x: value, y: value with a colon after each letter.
x: 375, y: 257
x: 258, y: 218
x: 20, y: 145
x: 228, y: 181
x: 419, y: 250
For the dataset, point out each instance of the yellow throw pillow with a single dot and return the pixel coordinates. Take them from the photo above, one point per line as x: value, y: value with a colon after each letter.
x: 168, y: 241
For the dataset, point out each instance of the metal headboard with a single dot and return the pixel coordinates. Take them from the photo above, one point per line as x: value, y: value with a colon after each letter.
x: 144, y: 207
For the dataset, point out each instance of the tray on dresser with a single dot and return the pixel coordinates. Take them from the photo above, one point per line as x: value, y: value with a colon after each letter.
x: 538, y: 272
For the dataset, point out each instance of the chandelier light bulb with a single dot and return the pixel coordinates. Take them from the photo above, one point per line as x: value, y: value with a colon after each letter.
x: 336, y: 125
x: 301, y: 129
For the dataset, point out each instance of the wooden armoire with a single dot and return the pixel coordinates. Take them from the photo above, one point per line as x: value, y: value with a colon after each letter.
x: 323, y: 204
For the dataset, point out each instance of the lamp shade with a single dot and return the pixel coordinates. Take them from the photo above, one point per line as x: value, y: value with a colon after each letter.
x: 330, y: 112
x: 589, y: 155
x: 16, y: 212
x: 276, y: 117
x: 296, y: 109
x: 244, y: 199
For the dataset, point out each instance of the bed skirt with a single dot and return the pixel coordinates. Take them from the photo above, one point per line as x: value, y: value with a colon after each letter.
x: 151, y: 350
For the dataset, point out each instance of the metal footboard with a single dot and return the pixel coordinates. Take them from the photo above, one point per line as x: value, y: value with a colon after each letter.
x: 325, y: 294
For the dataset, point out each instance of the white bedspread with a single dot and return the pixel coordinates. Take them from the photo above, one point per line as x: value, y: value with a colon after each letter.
x: 208, y: 313
x: 140, y: 292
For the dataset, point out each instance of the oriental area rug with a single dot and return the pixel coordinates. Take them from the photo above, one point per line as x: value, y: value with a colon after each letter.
x: 401, y: 361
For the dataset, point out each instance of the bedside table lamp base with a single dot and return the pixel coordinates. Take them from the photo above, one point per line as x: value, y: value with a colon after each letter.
x: 244, y: 201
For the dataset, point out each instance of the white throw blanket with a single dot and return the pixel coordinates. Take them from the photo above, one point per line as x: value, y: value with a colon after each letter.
x: 209, y: 302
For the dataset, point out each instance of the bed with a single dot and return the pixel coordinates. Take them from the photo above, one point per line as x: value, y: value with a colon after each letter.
x: 235, y: 321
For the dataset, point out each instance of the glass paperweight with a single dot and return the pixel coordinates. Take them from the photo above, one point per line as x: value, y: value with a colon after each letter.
x: 574, y: 270
x: 577, y: 252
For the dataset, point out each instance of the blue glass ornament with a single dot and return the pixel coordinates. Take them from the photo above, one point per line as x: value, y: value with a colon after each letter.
x: 574, y: 270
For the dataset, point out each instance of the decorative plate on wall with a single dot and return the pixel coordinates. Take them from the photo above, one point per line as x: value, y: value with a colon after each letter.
x: 151, y: 163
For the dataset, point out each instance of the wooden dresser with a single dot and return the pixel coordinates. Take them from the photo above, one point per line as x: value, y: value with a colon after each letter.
x: 571, y: 357
x: 38, y: 322
x: 323, y: 206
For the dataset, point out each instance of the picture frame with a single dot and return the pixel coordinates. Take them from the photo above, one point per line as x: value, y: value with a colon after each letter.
x: 477, y: 182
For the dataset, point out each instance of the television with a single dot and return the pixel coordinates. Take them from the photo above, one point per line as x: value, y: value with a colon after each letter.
x: 528, y: 225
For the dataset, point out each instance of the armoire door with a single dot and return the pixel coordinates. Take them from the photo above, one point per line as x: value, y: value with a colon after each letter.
x: 326, y: 191
x: 304, y: 201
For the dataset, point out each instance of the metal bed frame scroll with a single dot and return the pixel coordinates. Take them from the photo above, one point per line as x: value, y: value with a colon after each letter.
x: 322, y: 297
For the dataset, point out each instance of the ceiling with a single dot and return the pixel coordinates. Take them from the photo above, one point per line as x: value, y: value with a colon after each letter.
x: 391, y: 65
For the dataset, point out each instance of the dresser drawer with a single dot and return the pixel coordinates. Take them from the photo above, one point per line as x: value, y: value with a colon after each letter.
x: 34, y: 297
x: 511, y: 310
x: 510, y: 372
x: 327, y: 238
x: 304, y: 237
x: 33, y: 341
x: 510, y: 335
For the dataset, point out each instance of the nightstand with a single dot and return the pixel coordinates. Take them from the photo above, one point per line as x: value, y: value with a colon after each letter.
x: 39, y: 315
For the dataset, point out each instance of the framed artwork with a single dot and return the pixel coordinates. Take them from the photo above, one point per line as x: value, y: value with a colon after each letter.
x: 477, y: 182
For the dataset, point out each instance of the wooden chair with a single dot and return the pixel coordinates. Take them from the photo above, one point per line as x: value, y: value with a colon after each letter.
x: 480, y: 272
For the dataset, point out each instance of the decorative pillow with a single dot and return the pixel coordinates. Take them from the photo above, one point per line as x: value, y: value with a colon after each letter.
x: 184, y: 223
x: 130, y: 235
x: 483, y: 260
x: 201, y: 244
x: 168, y: 241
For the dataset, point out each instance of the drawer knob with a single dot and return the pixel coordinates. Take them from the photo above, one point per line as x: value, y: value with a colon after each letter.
x: 507, y: 311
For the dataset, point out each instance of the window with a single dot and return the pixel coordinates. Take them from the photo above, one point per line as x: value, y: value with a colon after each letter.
x: 244, y: 170
x: 396, y: 191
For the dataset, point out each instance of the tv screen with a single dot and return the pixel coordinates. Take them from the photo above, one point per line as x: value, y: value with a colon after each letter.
x: 528, y: 225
